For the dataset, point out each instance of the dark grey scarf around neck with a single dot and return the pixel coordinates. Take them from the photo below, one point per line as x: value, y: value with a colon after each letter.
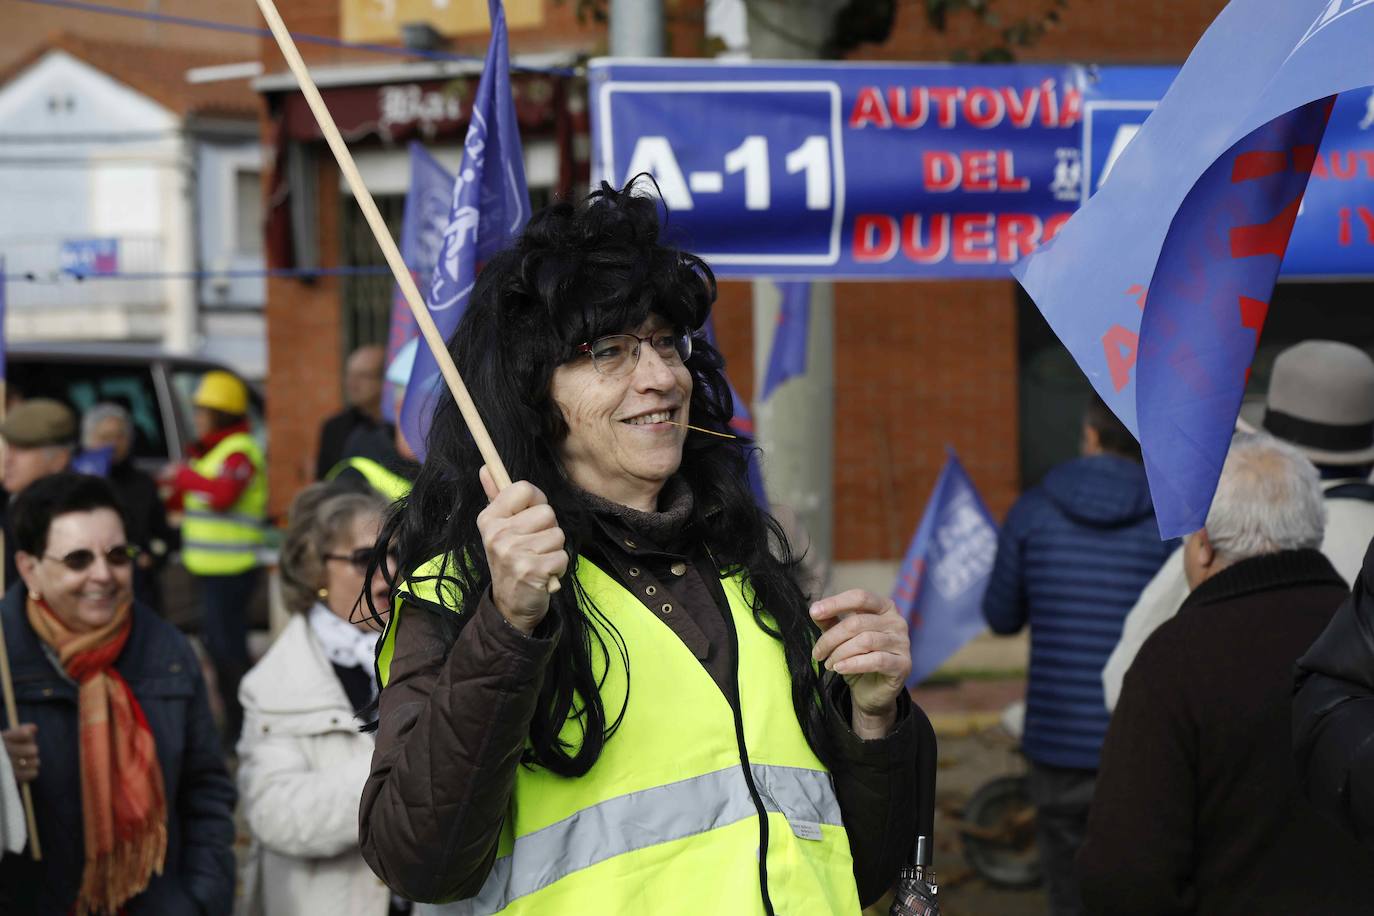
x: 662, y: 528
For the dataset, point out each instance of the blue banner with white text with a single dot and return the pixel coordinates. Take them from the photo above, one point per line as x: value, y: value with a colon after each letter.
x: 918, y: 171
x: 847, y: 170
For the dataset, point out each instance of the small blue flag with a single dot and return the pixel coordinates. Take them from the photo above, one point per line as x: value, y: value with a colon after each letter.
x: 940, y: 586
x: 490, y: 205
x: 95, y: 462
x: 1159, y: 285
x: 425, y: 218
x: 788, y: 354
x: 742, y: 425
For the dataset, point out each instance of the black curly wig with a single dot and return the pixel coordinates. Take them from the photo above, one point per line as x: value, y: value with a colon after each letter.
x: 579, y: 272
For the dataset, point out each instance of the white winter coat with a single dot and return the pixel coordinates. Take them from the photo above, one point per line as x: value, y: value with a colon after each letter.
x: 302, y: 765
x: 1349, y: 527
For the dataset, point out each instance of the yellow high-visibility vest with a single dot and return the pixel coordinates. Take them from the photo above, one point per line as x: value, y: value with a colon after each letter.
x: 386, y: 482
x: 225, y: 543
x: 665, y: 822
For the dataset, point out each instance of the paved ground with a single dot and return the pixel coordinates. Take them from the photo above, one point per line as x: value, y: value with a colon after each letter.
x: 973, y: 751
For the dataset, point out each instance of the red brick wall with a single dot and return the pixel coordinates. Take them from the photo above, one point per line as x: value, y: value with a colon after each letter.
x: 919, y: 366
x: 29, y: 25
x: 304, y: 356
x: 1090, y: 31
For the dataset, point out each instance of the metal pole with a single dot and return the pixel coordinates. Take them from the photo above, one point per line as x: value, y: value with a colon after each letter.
x: 796, y: 425
x: 636, y: 28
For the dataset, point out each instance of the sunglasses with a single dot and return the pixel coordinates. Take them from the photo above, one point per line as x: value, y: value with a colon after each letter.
x: 360, y: 558
x: 81, y: 560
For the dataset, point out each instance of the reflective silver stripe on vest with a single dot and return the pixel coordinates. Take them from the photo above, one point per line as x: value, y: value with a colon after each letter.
x: 208, y: 516
x: 642, y: 819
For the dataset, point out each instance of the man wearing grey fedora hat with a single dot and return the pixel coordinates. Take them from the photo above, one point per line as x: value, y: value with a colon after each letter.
x: 1321, y: 400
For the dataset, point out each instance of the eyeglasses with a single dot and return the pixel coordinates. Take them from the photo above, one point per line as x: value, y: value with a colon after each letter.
x: 617, y: 355
x: 81, y: 560
x: 360, y: 558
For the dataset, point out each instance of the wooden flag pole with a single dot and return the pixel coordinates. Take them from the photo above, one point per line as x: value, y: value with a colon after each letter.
x: 388, y: 245
x: 7, y: 686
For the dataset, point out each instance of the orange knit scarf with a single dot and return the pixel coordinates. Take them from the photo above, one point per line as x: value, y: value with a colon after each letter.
x: 123, y: 808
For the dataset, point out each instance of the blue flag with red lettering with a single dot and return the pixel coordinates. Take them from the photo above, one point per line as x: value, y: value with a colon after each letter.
x: 787, y: 357
x: 490, y: 205
x: 423, y: 222
x: 742, y: 425
x: 941, y: 583
x: 1159, y: 285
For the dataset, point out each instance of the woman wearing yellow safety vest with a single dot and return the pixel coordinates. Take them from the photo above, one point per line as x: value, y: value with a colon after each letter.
x: 222, y: 491
x: 676, y: 730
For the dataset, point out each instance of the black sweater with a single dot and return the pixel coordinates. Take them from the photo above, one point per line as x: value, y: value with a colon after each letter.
x: 1197, y: 807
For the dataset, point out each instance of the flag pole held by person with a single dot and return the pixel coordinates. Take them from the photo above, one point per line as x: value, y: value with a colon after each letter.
x: 437, y: 347
x: 6, y: 681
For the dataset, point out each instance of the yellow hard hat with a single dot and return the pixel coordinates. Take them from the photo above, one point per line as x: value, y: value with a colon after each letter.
x: 220, y: 390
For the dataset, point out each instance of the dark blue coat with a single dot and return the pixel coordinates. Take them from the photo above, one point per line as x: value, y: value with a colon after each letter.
x: 1073, y: 556
x: 161, y: 669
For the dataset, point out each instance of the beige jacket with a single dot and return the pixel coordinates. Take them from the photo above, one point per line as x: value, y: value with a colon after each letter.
x: 302, y: 766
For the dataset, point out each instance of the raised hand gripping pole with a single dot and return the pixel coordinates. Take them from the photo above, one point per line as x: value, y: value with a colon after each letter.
x: 393, y: 254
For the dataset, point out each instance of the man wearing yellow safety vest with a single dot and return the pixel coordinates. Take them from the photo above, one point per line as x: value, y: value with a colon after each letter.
x: 676, y: 729
x: 379, y: 458
x: 222, y: 491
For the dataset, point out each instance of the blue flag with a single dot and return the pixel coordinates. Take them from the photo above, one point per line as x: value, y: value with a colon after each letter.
x: 942, y: 580
x: 490, y: 205
x: 788, y: 354
x: 425, y: 218
x: 742, y: 425
x: 94, y: 462
x: 1159, y: 285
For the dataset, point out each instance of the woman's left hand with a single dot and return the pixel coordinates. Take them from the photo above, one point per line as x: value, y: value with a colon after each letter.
x: 866, y: 640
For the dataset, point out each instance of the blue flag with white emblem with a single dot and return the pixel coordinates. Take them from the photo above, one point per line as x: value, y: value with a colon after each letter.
x: 1159, y: 285
x: 490, y: 205
x: 423, y: 222
x: 941, y: 583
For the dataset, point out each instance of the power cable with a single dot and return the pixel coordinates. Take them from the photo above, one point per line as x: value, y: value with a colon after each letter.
x: 68, y: 276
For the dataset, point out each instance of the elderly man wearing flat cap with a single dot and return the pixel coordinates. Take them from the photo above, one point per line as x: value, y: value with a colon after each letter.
x: 1321, y: 400
x: 40, y: 438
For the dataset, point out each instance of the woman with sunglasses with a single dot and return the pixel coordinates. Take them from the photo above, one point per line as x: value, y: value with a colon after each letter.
x: 677, y: 728
x: 134, y: 807
x: 302, y: 757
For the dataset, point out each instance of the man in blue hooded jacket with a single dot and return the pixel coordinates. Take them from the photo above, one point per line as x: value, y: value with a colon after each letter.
x: 1073, y: 555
